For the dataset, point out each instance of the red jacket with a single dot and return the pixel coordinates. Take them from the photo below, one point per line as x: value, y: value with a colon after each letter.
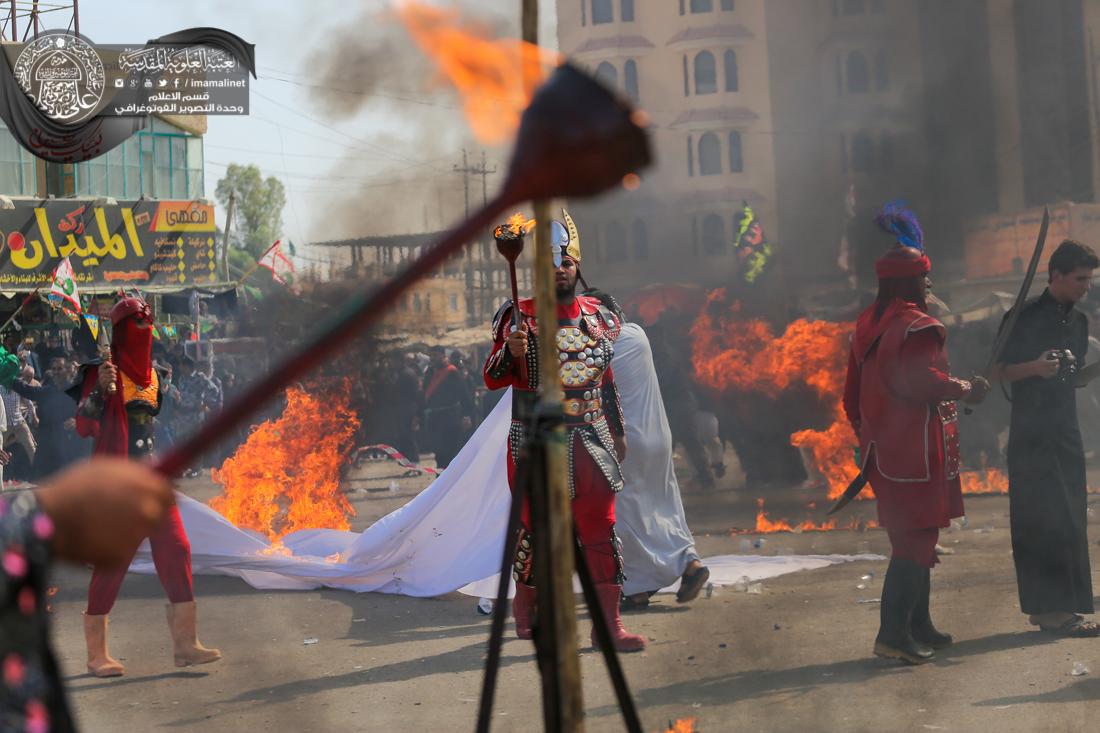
x: 900, y: 399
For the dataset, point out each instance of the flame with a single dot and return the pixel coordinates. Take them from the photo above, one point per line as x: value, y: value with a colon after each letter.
x: 495, y: 77
x: 764, y: 525
x: 684, y: 725
x: 517, y: 224
x: 730, y: 353
x: 989, y: 481
x: 286, y: 476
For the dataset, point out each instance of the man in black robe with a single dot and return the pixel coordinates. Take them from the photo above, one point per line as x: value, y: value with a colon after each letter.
x: 1046, y: 458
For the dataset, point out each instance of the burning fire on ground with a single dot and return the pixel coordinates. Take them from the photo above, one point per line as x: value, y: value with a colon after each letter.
x: 764, y: 525
x: 286, y: 476
x: 732, y: 353
x: 685, y: 725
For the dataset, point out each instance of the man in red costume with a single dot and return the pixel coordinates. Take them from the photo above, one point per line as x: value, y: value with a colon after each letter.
x: 595, y: 436
x: 900, y: 398
x: 117, y: 400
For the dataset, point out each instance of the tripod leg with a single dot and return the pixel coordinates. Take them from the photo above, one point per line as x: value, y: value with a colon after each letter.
x: 496, y: 633
x: 607, y: 646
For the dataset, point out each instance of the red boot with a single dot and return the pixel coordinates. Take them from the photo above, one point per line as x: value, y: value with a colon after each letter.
x: 523, y: 610
x: 609, y: 602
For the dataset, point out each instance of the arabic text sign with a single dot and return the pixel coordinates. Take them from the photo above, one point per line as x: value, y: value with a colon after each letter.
x: 177, y: 80
x: 136, y: 243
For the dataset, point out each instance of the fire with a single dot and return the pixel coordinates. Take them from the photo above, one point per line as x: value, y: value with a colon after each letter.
x: 495, y: 77
x: 989, y: 481
x: 685, y: 725
x: 764, y: 525
x: 517, y: 224
x: 286, y: 476
x: 730, y: 353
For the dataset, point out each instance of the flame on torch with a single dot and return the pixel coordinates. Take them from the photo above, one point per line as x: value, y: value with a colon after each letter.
x: 495, y: 77
x: 516, y: 226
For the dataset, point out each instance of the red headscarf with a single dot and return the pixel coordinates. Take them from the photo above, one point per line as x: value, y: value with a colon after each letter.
x: 132, y: 348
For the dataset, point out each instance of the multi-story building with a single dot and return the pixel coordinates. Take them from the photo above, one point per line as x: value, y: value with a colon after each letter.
x: 163, y: 161
x: 815, y: 110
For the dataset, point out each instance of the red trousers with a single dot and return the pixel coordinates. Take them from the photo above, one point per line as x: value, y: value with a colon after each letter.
x: 916, y: 545
x: 171, y: 556
x: 593, y: 514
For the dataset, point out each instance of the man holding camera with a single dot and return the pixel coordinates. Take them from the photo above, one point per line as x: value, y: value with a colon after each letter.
x: 1046, y: 458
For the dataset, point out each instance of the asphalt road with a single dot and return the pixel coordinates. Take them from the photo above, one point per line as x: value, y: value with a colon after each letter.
x: 794, y: 658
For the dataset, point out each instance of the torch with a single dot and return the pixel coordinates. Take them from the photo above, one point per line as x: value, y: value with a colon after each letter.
x: 509, y: 237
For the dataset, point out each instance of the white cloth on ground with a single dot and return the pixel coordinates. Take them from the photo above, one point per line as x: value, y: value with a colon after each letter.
x: 451, y: 534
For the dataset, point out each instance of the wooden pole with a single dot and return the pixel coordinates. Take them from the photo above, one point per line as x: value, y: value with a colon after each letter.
x: 225, y: 234
x: 557, y: 608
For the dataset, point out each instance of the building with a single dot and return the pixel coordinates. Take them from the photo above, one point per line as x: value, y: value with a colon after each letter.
x: 467, y: 290
x: 818, y: 111
x: 163, y: 161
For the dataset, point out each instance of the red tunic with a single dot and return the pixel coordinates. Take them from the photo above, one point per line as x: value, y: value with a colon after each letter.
x: 900, y: 399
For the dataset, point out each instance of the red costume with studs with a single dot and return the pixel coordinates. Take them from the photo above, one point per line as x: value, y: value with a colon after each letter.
x: 586, y: 334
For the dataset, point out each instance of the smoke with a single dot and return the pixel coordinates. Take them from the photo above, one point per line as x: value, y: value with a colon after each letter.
x: 369, y: 68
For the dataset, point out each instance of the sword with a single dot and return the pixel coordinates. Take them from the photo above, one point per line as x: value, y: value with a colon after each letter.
x: 849, y: 493
x: 1001, y: 342
x: 1014, y: 315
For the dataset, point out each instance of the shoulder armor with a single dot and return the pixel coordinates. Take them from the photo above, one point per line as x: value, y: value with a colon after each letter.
x: 503, y: 311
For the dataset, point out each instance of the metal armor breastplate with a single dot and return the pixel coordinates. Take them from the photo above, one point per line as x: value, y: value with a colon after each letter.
x: 583, y: 360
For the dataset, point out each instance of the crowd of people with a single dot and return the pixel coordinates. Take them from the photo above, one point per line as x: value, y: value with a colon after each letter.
x: 37, y: 413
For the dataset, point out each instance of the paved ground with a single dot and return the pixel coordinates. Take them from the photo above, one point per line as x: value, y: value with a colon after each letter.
x: 795, y: 658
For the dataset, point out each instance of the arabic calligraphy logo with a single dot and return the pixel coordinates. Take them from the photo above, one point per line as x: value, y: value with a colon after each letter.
x: 63, y: 75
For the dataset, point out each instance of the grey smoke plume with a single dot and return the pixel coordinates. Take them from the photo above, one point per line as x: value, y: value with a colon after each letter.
x: 370, y: 66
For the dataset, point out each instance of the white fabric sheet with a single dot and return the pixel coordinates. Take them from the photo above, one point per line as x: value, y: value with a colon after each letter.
x: 450, y: 536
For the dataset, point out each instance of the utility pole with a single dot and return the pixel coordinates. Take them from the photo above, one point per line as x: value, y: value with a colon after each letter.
x: 475, y: 306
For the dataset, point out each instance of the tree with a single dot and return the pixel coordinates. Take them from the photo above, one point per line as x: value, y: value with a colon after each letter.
x: 258, y: 207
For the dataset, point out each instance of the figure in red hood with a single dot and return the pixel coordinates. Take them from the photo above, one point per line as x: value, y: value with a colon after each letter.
x: 901, y: 400
x: 117, y: 401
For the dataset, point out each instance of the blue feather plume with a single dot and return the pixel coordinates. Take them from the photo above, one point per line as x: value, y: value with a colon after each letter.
x: 898, y: 220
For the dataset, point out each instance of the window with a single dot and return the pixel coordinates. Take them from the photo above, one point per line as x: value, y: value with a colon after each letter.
x: 416, y: 302
x: 863, y: 154
x: 454, y: 302
x: 710, y: 155
x: 859, y: 76
x: 706, y: 74
x: 691, y: 157
x: 428, y: 302
x: 630, y: 80
x: 641, y: 240
x: 626, y: 11
x: 727, y: 4
x: 737, y: 163
x: 584, y: 12
x: 702, y: 6
x: 714, y: 235
x: 616, y: 242
x: 607, y: 75
x: 687, y: 85
x: 681, y: 7
x: 729, y: 63
x: 885, y: 152
x: 601, y: 12
x: 116, y: 170
x: 882, y: 71
x: 852, y: 7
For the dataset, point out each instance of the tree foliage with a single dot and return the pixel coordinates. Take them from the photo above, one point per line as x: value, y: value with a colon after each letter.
x: 258, y: 209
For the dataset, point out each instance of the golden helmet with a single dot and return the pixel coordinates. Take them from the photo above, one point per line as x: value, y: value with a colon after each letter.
x: 565, y: 239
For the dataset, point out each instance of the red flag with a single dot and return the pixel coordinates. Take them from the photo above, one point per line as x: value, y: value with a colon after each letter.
x: 279, y: 265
